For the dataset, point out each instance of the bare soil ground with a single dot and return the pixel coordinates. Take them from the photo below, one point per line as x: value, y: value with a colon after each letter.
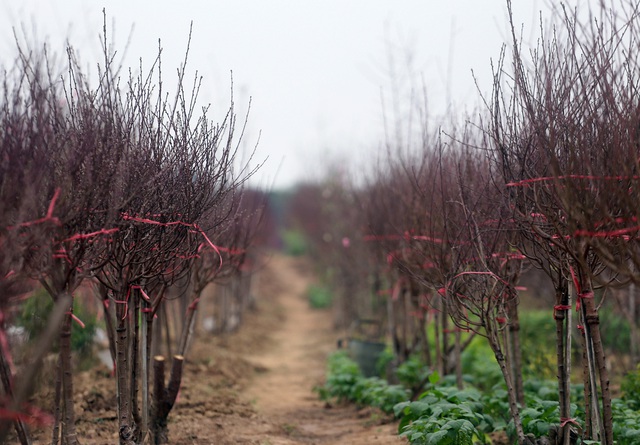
x: 254, y: 386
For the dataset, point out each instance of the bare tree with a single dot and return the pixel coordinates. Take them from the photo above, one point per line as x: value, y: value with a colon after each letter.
x: 563, y: 131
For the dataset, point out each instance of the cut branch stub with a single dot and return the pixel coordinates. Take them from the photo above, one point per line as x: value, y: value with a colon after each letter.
x: 164, y: 397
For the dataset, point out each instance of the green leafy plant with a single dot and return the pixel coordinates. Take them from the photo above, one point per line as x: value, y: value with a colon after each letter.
x: 616, y: 332
x: 450, y: 432
x: 478, y: 361
x: 496, y: 407
x: 414, y: 374
x: 82, y: 337
x: 35, y: 312
x: 631, y: 388
x: 374, y: 391
x: 384, y: 361
x: 540, y: 358
x: 539, y: 362
x: 319, y: 297
x: 295, y: 243
x: 342, y: 375
x: 542, y: 411
x: 626, y: 422
x: 445, y: 415
x: 345, y: 382
x: 538, y: 418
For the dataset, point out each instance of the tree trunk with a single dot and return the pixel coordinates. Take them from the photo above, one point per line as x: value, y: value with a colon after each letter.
x: 187, y: 328
x: 147, y: 336
x: 597, y: 426
x: 108, y: 321
x: 156, y: 341
x: 635, y: 350
x: 494, y: 342
x: 588, y: 403
x: 167, y: 329
x: 515, y: 352
x: 7, y: 385
x: 567, y: 375
x: 404, y: 325
x: 391, y: 324
x: 436, y: 336
x: 457, y: 359
x: 69, y: 435
x: 158, y: 425
x: 594, y: 343
x: 135, y: 365
x: 57, y: 400
x: 445, y: 338
x: 424, y: 338
x: 164, y: 398
x: 125, y: 423
x: 562, y: 316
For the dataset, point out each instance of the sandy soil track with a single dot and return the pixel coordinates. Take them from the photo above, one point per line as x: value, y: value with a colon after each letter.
x: 294, y: 363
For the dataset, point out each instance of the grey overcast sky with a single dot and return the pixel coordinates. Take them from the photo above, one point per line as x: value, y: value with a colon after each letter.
x: 315, y: 69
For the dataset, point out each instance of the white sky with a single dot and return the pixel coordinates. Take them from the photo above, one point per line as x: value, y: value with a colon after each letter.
x: 315, y: 69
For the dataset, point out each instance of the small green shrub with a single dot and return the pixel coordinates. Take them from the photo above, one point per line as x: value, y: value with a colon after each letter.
x: 615, y: 330
x: 538, y: 357
x: 631, y: 388
x: 385, y: 359
x: 445, y: 415
x: 412, y: 372
x: 295, y: 243
x: 342, y: 375
x: 34, y: 316
x: 496, y: 407
x: 319, y: 297
x: 479, y: 362
x: 345, y: 382
x: 82, y: 337
x: 34, y: 313
x: 374, y: 391
x: 626, y: 422
x: 541, y: 389
x: 416, y: 376
x: 537, y: 418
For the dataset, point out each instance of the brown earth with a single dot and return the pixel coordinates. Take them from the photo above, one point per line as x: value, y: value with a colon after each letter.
x: 254, y: 386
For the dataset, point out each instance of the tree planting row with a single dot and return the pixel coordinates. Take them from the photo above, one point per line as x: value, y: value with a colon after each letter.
x: 544, y: 175
x: 114, y: 185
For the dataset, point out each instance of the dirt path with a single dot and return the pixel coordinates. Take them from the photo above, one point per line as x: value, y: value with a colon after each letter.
x: 293, y: 364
